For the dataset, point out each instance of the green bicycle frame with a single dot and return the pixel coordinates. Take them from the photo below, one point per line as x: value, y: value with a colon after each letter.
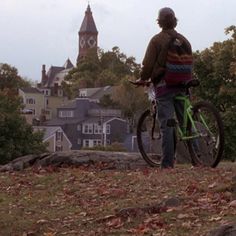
x: 187, y: 117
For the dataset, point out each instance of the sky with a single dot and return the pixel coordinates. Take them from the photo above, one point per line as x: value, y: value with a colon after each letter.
x: 37, y: 32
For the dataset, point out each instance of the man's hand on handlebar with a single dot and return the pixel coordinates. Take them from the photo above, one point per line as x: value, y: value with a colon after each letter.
x: 140, y: 82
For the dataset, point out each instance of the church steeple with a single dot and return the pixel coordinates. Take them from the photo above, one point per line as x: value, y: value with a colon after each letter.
x: 87, y: 34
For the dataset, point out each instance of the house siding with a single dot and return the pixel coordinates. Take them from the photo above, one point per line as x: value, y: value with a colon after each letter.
x: 38, y: 106
x: 51, y: 142
x: 72, y: 134
x: 53, y: 104
x: 118, y: 131
x: 55, y: 138
x: 90, y: 113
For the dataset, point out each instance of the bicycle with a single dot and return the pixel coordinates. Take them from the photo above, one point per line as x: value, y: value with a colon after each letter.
x: 201, y: 131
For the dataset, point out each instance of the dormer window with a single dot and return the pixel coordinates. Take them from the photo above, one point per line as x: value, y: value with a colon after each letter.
x: 83, y: 94
x: 30, y: 101
x: 66, y: 114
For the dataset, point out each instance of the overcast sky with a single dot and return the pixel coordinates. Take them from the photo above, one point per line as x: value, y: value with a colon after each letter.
x: 36, y: 32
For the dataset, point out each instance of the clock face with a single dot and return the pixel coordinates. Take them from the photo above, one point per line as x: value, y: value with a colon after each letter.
x: 82, y: 42
x: 91, y: 42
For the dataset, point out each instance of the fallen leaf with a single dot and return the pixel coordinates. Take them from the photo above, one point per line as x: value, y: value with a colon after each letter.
x: 41, y: 221
x: 83, y: 214
x: 215, y: 219
x: 212, y: 185
x: 115, y: 223
x: 233, y: 204
x: 182, y: 216
x: 187, y: 225
x: 49, y: 234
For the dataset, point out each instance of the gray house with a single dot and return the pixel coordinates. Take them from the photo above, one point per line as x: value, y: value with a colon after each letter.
x: 95, y: 94
x: 87, y: 124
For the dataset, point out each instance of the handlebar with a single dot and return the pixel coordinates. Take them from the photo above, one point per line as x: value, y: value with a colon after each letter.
x: 185, y: 85
x: 139, y: 82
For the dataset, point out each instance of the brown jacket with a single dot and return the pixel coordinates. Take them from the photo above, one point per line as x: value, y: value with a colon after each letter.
x: 156, y: 52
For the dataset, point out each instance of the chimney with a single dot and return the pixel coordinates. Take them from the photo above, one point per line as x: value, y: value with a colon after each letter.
x: 44, y: 76
x: 55, y: 92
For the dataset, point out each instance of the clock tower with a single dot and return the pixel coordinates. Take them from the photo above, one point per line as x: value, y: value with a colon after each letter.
x: 87, y: 34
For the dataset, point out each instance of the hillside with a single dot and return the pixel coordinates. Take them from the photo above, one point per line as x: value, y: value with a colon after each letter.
x: 90, y: 200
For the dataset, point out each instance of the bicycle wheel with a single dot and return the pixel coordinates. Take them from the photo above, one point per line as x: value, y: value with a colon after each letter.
x: 148, y: 138
x: 207, y: 149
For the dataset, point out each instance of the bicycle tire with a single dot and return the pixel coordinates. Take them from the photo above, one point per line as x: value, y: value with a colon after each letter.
x: 148, y: 147
x: 206, y: 150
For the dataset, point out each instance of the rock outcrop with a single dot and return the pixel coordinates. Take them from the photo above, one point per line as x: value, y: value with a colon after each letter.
x: 111, y: 160
x: 224, y: 230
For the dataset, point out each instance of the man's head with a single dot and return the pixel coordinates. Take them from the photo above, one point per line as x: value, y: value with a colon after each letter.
x: 166, y: 18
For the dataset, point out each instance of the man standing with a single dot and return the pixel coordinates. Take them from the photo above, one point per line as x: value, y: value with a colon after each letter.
x: 154, y: 64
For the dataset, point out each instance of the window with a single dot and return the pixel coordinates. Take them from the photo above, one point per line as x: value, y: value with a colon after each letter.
x: 83, y: 94
x: 92, y: 142
x: 108, y: 129
x: 97, y: 142
x: 46, y: 92
x: 59, y: 136
x: 78, y: 127
x: 86, y: 143
x: 79, y: 141
x: 60, y: 92
x: 59, y: 148
x: 97, y: 129
x: 88, y: 128
x: 47, y: 112
x: 30, y: 101
x: 85, y: 129
x: 66, y: 113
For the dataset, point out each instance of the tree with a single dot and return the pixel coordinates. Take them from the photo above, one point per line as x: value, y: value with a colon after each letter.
x: 84, y: 75
x: 108, y: 68
x: 131, y: 100
x: 215, y: 67
x: 16, y: 136
x: 9, y: 79
x: 106, y: 101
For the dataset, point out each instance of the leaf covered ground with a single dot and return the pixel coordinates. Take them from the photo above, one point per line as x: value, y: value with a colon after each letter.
x: 89, y: 201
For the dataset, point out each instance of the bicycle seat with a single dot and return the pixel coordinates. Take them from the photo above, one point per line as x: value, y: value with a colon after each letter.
x: 191, y: 83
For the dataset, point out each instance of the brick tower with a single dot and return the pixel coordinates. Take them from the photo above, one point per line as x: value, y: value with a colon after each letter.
x: 88, y: 34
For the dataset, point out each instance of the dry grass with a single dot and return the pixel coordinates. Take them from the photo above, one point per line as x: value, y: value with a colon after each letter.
x: 79, y: 201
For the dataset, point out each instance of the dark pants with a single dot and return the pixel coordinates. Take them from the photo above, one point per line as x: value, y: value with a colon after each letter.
x: 167, y: 108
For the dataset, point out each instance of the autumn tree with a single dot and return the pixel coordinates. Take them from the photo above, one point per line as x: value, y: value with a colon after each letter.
x: 215, y: 67
x: 10, y: 80
x: 131, y: 100
x: 98, y: 70
x: 16, y: 136
x: 107, y: 101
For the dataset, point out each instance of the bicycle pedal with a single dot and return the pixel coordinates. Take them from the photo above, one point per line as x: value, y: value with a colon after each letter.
x: 171, y: 123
